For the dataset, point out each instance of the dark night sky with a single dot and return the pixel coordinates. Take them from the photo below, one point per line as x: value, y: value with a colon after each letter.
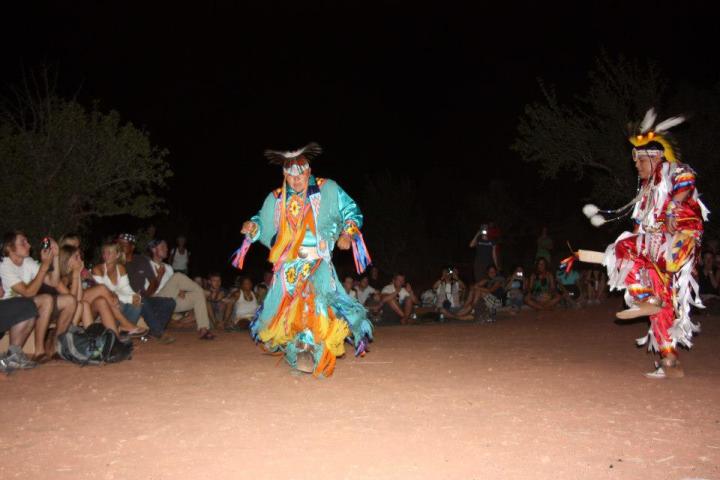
x: 392, y: 85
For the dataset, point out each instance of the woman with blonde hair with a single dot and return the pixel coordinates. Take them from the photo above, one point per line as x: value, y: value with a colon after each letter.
x: 112, y: 274
x: 94, y: 301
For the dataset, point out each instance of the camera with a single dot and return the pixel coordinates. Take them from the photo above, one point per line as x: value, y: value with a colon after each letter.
x: 519, y: 274
x: 484, y: 232
x: 45, y: 243
x: 450, y: 271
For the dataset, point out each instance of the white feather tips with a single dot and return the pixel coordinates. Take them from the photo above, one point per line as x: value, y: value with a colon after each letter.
x: 666, y: 125
x: 293, y: 153
x: 597, y: 220
x: 589, y: 210
x: 648, y: 121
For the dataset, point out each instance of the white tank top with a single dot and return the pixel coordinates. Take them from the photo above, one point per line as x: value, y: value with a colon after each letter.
x: 123, y: 289
x: 180, y: 260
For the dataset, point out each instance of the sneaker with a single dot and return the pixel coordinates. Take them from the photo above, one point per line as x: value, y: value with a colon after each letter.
x: 657, y: 374
x: 16, y: 359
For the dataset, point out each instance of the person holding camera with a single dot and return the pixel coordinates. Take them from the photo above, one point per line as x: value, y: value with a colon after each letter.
x: 23, y: 276
x: 515, y: 289
x: 486, y: 252
x: 449, y: 291
x: 568, y: 285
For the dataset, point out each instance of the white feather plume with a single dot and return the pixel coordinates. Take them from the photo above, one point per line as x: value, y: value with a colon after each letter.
x: 597, y: 220
x: 666, y: 125
x: 648, y: 121
x: 589, y: 210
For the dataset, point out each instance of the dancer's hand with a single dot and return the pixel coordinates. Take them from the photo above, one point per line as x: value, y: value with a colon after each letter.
x: 249, y: 228
x: 344, y: 242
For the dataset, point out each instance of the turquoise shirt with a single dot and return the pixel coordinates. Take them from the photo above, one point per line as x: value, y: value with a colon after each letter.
x: 332, y: 208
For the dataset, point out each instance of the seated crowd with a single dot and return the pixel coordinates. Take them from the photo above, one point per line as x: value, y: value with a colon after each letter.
x: 129, y: 289
x: 47, y: 297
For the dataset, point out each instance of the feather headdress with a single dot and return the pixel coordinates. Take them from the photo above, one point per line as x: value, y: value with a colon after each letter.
x: 308, y: 152
x: 647, y: 135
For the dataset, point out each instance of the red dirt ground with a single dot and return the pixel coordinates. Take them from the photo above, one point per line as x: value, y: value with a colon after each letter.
x: 552, y: 395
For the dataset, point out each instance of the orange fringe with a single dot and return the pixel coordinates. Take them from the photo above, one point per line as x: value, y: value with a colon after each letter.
x: 326, y: 365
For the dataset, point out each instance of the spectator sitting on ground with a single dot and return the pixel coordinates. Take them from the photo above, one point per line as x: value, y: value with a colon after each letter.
x: 262, y: 288
x: 245, y: 306
x: 708, y: 277
x: 568, y: 284
x: 515, y: 289
x: 449, y: 291
x: 397, y: 301
x: 186, y: 293
x: 112, y: 275
x: 73, y: 240
x: 543, y: 293
x: 94, y: 301
x: 180, y: 256
x: 375, y: 278
x: 17, y: 316
x: 364, y: 290
x: 348, y: 284
x: 155, y: 310
x: 22, y: 276
x: 494, y: 283
x: 260, y: 293
x: 483, y: 301
x: 217, y: 305
x: 594, y: 281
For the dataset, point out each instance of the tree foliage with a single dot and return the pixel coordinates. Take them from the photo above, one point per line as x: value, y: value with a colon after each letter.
x: 588, y: 136
x: 62, y: 164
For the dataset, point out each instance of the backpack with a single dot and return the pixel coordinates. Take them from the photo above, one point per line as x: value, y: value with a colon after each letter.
x: 95, y: 345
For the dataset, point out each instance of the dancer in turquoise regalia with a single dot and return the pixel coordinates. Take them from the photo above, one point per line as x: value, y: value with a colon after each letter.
x: 306, y: 315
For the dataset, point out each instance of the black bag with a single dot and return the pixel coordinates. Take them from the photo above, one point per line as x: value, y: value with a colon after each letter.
x: 94, y: 346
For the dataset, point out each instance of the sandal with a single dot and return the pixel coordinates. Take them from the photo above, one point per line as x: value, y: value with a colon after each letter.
x: 40, y: 358
x: 136, y: 332
x: 206, y: 334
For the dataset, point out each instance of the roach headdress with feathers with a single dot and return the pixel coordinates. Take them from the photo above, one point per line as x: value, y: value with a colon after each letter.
x: 294, y: 162
x: 649, y: 137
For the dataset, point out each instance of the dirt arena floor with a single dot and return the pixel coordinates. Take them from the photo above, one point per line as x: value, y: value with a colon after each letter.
x: 552, y: 395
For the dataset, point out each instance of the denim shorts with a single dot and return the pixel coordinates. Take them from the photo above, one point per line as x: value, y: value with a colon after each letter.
x: 131, y: 312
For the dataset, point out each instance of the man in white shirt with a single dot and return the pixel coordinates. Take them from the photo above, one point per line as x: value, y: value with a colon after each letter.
x: 22, y: 276
x: 397, y: 301
x: 364, y: 290
x: 187, y: 294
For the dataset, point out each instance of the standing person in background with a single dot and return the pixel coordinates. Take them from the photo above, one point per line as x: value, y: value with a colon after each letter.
x: 180, y: 256
x: 486, y: 252
x: 544, y: 246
